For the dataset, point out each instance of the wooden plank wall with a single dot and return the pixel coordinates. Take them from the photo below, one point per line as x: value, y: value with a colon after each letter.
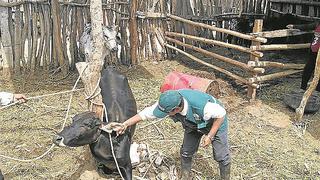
x: 304, y: 9
x: 31, y: 30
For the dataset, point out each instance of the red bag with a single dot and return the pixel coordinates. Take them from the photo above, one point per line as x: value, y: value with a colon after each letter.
x: 315, y: 44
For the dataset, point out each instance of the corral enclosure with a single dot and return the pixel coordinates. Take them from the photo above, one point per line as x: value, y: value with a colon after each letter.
x: 42, y: 37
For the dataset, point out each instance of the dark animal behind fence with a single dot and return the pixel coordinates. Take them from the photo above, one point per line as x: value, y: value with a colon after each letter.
x: 280, y: 22
x: 85, y: 128
x: 242, y: 25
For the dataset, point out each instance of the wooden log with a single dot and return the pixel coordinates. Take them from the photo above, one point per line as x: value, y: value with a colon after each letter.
x: 154, y: 41
x: 29, y: 13
x: 133, y: 32
x: 280, y: 33
x: 72, y: 36
x: 34, y: 37
x: 42, y: 35
x: 211, y: 54
x: 279, y: 47
x: 18, y: 40
x: 258, y: 24
x: 301, y: 2
x: 218, y: 43
x: 55, y: 9
x: 275, y: 64
x: 311, y: 88
x: 64, y: 22
x: 272, y: 76
x: 213, y: 28
x: 202, y: 18
x: 125, y: 51
x: 234, y: 76
x: 47, y: 47
x: 26, y: 20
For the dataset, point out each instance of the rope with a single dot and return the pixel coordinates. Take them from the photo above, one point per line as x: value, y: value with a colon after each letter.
x: 110, y: 139
x: 63, y: 125
x: 93, y: 94
x: 41, y: 96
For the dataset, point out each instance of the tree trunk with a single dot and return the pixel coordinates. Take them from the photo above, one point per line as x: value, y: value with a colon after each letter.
x: 91, y: 70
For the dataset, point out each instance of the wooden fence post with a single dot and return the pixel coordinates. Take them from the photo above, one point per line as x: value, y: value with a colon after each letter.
x: 57, y: 36
x: 252, y: 91
x: 133, y: 31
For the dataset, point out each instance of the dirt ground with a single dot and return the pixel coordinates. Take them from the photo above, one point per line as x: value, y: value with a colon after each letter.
x: 263, y: 141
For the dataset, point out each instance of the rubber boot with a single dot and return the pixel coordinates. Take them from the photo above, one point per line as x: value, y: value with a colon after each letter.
x: 186, y: 168
x: 225, y: 171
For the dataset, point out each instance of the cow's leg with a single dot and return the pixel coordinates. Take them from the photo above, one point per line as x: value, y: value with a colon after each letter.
x: 126, y: 172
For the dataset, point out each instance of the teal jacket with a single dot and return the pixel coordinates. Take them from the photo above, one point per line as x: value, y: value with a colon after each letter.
x: 196, y: 103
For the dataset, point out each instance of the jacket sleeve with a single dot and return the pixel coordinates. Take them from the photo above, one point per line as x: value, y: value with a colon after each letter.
x: 213, y: 110
x: 6, y: 98
x: 147, y: 113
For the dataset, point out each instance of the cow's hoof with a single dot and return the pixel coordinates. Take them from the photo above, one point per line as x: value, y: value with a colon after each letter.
x: 103, y: 171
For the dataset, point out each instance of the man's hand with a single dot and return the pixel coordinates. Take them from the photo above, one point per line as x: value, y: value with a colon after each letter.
x: 121, y: 129
x: 20, y: 97
x: 206, y: 140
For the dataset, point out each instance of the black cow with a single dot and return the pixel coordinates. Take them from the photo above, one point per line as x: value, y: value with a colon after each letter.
x: 242, y: 25
x: 85, y: 128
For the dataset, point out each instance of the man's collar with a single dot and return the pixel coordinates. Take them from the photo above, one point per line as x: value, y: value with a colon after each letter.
x: 185, y: 108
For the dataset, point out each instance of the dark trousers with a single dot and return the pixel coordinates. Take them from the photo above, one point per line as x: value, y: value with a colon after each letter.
x: 191, y: 143
x: 308, y: 71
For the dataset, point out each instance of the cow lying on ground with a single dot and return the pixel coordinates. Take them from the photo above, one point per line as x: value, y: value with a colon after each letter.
x: 86, y: 127
x: 111, y: 40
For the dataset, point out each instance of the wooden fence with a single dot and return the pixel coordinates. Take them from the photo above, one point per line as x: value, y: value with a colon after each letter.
x: 43, y: 35
x: 38, y: 35
x: 253, y: 70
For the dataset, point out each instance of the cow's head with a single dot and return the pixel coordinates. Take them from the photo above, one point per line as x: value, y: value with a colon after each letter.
x: 112, y: 40
x: 83, y: 130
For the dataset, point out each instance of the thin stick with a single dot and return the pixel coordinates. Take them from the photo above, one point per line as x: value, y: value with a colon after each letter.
x: 312, y: 87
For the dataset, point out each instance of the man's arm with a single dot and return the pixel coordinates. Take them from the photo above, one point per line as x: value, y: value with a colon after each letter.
x: 131, y: 121
x: 214, y: 128
x: 146, y: 113
x: 6, y: 98
x: 215, y: 112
